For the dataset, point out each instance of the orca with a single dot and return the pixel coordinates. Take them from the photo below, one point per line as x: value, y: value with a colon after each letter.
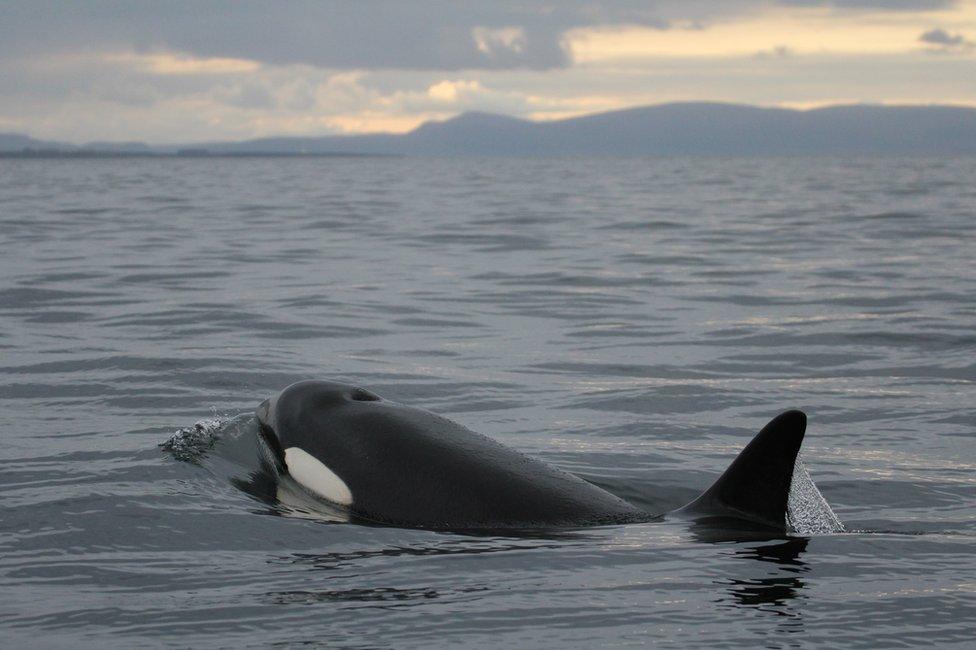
x: 382, y: 462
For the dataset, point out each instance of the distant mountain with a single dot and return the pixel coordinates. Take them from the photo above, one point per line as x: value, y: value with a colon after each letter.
x: 714, y: 129
x: 666, y: 129
x: 384, y: 143
x: 17, y: 142
x: 119, y: 147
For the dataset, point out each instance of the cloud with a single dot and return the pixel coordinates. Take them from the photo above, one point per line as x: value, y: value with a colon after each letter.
x: 422, y: 35
x: 337, y: 34
x: 943, y: 41
x: 187, y: 70
x: 450, y: 96
x: 777, y: 52
x: 248, y: 94
x: 170, y: 64
x: 500, y: 41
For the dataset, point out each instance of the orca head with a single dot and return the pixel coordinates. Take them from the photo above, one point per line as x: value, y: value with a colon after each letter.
x: 294, y: 424
x: 283, y: 417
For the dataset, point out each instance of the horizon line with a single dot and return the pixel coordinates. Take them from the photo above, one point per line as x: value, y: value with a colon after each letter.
x: 528, y: 120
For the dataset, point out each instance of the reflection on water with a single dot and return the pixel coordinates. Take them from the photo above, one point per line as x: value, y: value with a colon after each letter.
x: 786, y: 553
x: 445, y: 547
x: 771, y: 579
x: 770, y: 582
x: 385, y: 596
x: 766, y: 591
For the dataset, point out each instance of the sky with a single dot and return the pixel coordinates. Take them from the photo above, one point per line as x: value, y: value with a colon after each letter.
x: 170, y: 72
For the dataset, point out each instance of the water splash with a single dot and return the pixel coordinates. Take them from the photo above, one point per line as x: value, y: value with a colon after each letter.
x: 807, y: 512
x: 190, y: 444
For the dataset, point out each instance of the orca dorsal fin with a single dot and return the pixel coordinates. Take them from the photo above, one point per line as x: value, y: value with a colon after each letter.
x: 756, y: 486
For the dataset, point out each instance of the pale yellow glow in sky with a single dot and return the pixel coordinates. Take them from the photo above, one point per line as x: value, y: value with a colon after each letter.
x: 783, y: 30
x: 173, y: 64
x: 448, y: 91
x: 376, y: 122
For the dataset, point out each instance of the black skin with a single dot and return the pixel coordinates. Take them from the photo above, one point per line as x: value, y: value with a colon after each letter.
x: 411, y: 468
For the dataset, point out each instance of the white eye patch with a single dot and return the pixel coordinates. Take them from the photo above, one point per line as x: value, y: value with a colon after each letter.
x: 315, y: 477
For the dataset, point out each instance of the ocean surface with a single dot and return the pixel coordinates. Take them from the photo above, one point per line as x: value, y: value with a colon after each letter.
x: 633, y: 321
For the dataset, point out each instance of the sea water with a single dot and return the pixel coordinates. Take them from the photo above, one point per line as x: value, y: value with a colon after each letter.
x: 634, y: 321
